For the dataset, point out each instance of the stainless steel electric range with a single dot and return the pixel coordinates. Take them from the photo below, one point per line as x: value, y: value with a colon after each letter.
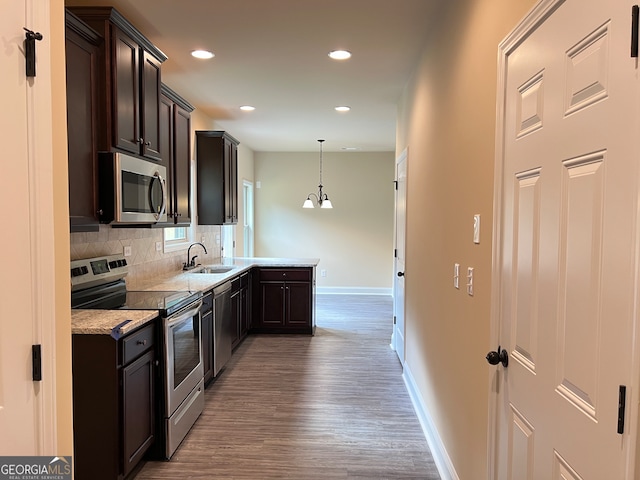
x: 99, y: 283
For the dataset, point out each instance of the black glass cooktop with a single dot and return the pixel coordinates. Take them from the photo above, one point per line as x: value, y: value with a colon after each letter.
x: 117, y: 298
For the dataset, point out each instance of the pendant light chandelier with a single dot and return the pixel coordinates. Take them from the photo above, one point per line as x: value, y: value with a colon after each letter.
x: 321, y: 198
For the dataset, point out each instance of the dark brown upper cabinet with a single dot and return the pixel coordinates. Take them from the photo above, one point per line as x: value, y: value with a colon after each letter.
x: 175, y: 151
x: 82, y: 47
x: 129, y: 84
x: 217, y: 177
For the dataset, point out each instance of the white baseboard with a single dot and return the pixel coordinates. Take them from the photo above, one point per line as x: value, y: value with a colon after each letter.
x: 440, y: 456
x: 354, y: 291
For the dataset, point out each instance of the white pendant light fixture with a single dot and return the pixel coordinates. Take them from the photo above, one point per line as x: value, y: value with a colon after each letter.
x: 321, y: 198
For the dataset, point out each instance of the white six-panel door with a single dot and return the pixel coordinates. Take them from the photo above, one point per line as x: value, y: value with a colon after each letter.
x: 398, y: 340
x: 566, y: 258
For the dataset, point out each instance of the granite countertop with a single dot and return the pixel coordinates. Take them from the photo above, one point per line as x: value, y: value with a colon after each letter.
x: 109, y: 322
x: 191, y: 280
x: 116, y: 323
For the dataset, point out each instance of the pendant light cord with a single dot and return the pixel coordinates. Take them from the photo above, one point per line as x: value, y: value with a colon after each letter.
x: 320, y: 162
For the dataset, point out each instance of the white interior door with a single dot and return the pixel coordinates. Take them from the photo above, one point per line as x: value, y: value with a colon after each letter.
x: 566, y: 263
x: 397, y: 340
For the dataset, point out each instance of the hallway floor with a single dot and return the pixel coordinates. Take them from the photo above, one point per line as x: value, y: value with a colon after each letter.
x: 332, y: 406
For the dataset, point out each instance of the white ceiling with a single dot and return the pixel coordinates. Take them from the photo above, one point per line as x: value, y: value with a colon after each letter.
x: 272, y: 54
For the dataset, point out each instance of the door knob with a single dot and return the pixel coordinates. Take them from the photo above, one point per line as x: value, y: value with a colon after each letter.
x: 401, y: 274
x: 501, y: 356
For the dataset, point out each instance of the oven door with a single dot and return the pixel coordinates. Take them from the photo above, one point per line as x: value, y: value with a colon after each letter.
x: 183, y: 355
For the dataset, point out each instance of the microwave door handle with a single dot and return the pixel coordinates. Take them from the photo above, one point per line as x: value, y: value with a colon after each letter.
x: 163, y: 206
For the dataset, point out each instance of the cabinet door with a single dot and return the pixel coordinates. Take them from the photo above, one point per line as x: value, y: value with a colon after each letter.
x: 150, y: 101
x: 166, y: 151
x: 138, y: 409
x: 207, y: 345
x: 126, y: 114
x: 230, y: 182
x: 272, y: 304
x: 182, y: 165
x: 82, y: 125
x: 298, y: 303
x: 244, y: 312
x: 235, y: 315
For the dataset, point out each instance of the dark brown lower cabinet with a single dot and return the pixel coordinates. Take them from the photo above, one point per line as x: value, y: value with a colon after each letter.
x: 284, y: 300
x: 206, y: 313
x: 240, y: 307
x: 114, y: 403
x: 137, y: 397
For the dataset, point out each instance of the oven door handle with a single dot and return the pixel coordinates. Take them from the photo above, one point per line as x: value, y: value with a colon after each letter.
x: 183, y: 315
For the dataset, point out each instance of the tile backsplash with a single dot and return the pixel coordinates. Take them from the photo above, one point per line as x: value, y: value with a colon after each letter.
x: 145, y: 262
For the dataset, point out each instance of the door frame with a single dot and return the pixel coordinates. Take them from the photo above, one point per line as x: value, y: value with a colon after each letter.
x: 40, y: 140
x: 537, y: 15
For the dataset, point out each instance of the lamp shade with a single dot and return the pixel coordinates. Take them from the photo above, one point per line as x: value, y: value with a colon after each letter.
x: 307, y: 203
x: 326, y: 203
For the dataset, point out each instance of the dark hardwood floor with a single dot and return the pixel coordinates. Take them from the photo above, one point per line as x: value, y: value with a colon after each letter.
x: 332, y: 406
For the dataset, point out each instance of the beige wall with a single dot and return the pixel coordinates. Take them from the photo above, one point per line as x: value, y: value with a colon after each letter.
x: 354, y: 240
x: 447, y: 121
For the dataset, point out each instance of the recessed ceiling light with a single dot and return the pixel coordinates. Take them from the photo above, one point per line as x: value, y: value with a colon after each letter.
x: 204, y: 54
x: 340, y: 54
x: 247, y: 108
x: 343, y: 109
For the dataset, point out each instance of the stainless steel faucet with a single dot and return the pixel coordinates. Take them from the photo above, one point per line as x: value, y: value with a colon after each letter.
x: 191, y: 261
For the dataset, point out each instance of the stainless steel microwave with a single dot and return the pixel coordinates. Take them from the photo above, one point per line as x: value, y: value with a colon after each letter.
x: 132, y: 190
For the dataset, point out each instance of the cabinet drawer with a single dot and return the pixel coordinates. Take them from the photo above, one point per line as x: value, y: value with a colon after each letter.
x: 137, y: 343
x: 278, y: 274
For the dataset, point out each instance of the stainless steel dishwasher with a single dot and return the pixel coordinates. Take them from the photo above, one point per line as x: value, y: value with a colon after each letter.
x: 222, y: 326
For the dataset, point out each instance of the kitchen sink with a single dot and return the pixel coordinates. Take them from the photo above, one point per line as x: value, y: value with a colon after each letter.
x: 215, y: 269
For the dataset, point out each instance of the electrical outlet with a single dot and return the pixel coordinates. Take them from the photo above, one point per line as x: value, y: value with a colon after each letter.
x: 217, y: 239
x: 202, y: 239
x: 158, y: 246
x: 127, y: 251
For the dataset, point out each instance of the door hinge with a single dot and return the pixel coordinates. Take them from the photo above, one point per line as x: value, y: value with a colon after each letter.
x: 622, y: 398
x: 394, y: 319
x: 395, y: 182
x: 635, y: 11
x: 395, y: 253
x: 36, y: 357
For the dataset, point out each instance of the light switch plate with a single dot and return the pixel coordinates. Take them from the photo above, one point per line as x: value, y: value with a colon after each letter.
x: 158, y: 246
x: 476, y: 228
x: 127, y: 251
x: 456, y: 275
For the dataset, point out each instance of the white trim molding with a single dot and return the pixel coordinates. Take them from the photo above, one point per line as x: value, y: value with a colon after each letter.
x: 40, y: 158
x: 439, y: 452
